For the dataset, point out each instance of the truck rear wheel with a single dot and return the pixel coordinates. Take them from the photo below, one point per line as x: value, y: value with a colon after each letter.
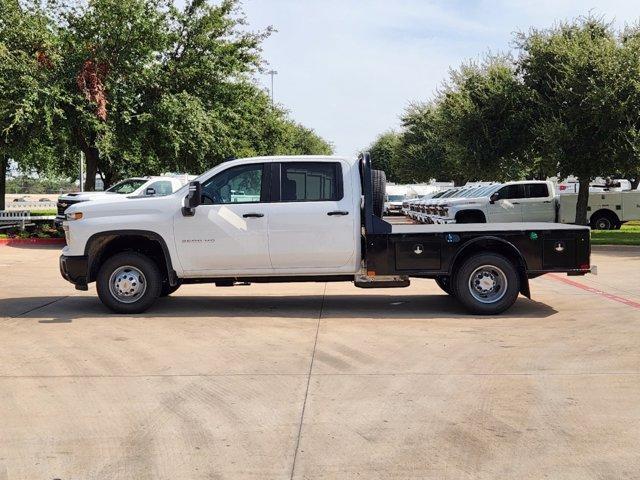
x: 604, y: 221
x: 129, y: 283
x: 379, y: 188
x: 487, y: 284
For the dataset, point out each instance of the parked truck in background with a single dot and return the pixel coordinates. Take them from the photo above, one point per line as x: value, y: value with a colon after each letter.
x: 130, y: 187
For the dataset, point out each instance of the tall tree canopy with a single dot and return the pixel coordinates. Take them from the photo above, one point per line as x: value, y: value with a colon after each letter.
x: 576, y: 73
x: 385, y: 152
x: 138, y: 86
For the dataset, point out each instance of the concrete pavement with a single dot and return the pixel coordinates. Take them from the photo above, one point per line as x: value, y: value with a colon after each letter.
x: 319, y: 381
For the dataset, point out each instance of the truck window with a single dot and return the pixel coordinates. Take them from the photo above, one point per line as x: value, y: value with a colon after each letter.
x: 241, y: 184
x: 537, y: 190
x: 162, y: 188
x: 511, y: 192
x: 310, y: 181
x: 126, y: 187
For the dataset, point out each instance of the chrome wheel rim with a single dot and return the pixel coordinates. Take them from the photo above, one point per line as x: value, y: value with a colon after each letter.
x: 603, y: 224
x: 127, y: 284
x: 488, y: 284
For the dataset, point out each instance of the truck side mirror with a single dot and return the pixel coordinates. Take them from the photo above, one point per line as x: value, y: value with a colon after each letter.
x: 193, y: 199
x: 495, y: 196
x: 150, y: 192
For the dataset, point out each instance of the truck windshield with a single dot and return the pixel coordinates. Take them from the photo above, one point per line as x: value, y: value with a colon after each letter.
x: 127, y: 186
x: 396, y: 198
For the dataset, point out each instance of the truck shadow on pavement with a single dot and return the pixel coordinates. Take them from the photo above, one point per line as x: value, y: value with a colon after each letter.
x: 383, y: 307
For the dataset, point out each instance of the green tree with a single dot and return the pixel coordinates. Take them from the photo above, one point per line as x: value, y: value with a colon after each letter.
x: 484, y: 115
x: 628, y: 141
x: 27, y: 127
x: 140, y: 87
x: 575, y: 71
x: 421, y: 154
x: 384, y: 153
x: 476, y: 128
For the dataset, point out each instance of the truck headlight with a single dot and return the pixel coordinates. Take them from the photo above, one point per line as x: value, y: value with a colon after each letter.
x: 74, y: 216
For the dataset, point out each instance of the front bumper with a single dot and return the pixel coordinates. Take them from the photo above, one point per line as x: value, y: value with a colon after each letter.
x: 75, y: 269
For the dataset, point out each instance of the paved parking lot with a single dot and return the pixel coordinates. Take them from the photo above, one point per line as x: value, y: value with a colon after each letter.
x: 319, y: 381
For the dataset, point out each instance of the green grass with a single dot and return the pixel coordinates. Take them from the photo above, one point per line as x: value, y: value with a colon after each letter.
x: 629, y: 234
x: 43, y: 213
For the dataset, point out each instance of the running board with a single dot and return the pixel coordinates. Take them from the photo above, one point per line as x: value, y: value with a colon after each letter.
x: 386, y: 281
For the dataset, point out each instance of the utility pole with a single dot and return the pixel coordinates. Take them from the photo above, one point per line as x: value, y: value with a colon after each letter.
x: 82, y: 171
x: 272, y: 73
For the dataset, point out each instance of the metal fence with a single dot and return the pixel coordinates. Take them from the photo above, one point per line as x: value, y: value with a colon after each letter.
x: 15, y: 219
x: 30, y: 205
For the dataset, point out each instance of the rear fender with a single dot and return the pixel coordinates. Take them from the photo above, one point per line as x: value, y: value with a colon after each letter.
x: 494, y: 245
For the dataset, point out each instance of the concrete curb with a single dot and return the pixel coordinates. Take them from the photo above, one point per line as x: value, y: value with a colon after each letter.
x: 31, y: 241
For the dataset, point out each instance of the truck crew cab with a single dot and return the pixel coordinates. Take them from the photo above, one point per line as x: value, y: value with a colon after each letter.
x: 303, y: 218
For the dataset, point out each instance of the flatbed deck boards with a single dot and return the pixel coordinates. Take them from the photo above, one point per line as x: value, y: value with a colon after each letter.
x: 483, y: 227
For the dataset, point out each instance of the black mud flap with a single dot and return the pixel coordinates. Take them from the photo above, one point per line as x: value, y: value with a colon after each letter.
x: 524, y: 284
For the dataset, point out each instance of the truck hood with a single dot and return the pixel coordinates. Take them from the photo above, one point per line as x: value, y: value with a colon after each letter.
x: 117, y: 205
x: 466, y: 201
x: 84, y: 196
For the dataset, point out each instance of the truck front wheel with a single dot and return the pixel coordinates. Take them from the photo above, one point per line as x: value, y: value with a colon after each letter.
x: 487, y: 284
x: 129, y: 283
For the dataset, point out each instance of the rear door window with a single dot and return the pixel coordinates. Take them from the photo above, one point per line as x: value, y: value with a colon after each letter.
x: 162, y: 188
x: 537, y: 190
x: 310, y: 181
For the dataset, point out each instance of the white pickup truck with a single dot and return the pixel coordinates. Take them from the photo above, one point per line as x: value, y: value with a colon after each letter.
x: 292, y: 219
x: 130, y: 187
x: 530, y: 201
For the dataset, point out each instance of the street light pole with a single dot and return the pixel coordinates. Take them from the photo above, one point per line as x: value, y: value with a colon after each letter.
x: 272, y: 73
x: 82, y: 171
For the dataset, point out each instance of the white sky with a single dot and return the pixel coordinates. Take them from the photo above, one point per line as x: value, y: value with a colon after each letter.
x: 349, y: 68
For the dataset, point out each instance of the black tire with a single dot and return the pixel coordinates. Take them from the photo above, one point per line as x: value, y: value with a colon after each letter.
x: 496, y: 264
x: 151, y: 278
x: 444, y: 282
x: 379, y: 188
x: 168, y: 289
x: 604, y: 221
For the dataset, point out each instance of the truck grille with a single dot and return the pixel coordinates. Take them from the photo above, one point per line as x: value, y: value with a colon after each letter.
x: 64, y: 204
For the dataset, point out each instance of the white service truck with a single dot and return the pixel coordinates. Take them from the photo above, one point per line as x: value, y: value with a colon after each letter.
x: 300, y: 219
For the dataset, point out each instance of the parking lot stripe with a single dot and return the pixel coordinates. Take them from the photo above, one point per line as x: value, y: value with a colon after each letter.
x: 595, y: 291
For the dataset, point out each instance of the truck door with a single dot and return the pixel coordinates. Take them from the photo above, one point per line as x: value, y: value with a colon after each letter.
x: 538, y: 204
x: 228, y: 233
x: 630, y: 206
x: 506, y: 206
x: 311, y: 226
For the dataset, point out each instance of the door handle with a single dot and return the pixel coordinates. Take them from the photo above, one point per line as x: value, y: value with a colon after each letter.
x: 253, y: 215
x: 337, y: 212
